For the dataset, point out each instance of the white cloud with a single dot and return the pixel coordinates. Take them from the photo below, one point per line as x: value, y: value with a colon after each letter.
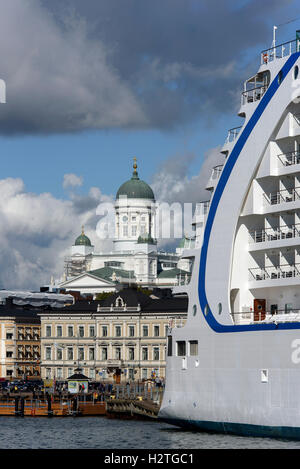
x: 37, y: 231
x: 72, y: 180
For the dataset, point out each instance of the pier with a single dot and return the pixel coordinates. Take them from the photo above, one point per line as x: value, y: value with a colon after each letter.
x: 124, y: 401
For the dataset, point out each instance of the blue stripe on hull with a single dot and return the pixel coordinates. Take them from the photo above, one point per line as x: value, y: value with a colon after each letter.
x: 240, y: 429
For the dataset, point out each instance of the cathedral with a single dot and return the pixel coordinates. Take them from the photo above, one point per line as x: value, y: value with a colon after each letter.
x: 135, y: 259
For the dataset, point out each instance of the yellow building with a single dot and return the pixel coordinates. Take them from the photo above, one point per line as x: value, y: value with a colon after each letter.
x: 20, y: 344
x: 120, y: 339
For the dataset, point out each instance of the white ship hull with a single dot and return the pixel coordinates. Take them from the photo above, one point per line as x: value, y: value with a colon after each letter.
x: 243, y: 374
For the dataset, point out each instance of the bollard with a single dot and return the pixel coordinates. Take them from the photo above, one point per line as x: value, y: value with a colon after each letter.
x: 50, y: 413
x: 17, y: 406
x: 22, y: 407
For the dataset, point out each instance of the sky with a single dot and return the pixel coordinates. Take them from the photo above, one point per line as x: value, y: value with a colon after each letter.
x: 92, y: 84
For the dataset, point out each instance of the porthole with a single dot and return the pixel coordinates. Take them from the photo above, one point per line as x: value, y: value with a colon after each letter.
x: 206, y: 310
x: 194, y: 310
x: 296, y: 72
x: 220, y: 308
x: 280, y: 77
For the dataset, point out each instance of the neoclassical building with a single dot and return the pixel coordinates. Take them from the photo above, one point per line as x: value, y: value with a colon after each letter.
x: 135, y: 258
x: 121, y: 338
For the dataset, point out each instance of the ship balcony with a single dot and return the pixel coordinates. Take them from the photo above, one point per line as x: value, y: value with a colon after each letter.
x: 289, y: 159
x: 285, y: 199
x: 286, y: 274
x: 215, y: 175
x: 232, y: 136
x: 201, y: 211
x: 253, y: 95
x: 274, y: 316
x: 274, y: 237
x: 279, y: 52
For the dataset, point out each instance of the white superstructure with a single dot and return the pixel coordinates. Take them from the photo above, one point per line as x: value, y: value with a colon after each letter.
x: 234, y: 367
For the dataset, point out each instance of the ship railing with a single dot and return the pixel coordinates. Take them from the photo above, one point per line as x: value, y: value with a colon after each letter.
x: 280, y: 51
x: 278, y: 315
x: 285, y: 195
x: 274, y: 272
x: 216, y: 172
x: 233, y: 134
x: 184, y: 279
x: 202, y: 207
x: 274, y: 234
x: 290, y: 158
x: 255, y: 94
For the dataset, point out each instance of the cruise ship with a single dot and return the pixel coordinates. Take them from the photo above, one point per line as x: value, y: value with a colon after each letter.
x: 235, y: 365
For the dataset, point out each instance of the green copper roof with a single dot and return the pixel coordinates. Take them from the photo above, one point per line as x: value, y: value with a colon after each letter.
x: 146, y: 239
x: 135, y: 188
x: 82, y: 240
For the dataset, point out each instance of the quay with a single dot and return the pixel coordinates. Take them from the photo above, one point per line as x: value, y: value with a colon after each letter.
x: 124, y: 401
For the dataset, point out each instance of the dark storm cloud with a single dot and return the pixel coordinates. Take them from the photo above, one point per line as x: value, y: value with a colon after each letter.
x: 74, y: 65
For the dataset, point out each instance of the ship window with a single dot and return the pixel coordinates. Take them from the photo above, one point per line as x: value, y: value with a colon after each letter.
x: 220, y: 308
x: 194, y: 310
x: 206, y: 310
x: 280, y: 77
x: 193, y: 346
x: 181, y: 348
x: 296, y: 72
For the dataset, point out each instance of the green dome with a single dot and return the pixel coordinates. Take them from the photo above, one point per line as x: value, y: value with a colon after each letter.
x: 135, y: 188
x: 82, y: 240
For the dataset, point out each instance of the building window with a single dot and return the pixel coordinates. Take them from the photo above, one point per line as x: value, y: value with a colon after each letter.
x: 104, y: 353
x: 9, y: 354
x: 104, y: 331
x: 118, y: 353
x: 145, y: 331
x: 80, y: 353
x: 70, y: 331
x: 59, y: 373
x: 125, y: 230
x: 181, y: 348
x: 70, y: 372
x: 92, y: 373
x: 131, y: 374
x: 48, y: 373
x: 48, y: 353
x: 9, y: 372
x: 144, y: 353
x: 131, y: 353
x: 133, y: 230
x: 118, y: 331
x: 59, y: 354
x: 193, y: 345
x: 59, y: 331
x: 81, y: 331
x: 143, y: 229
x: 91, y: 353
x: 156, y: 353
x: 70, y: 353
x: 131, y: 331
x: 48, y: 331
x: 9, y: 335
x: 144, y: 373
x: 92, y: 331
x: 156, y: 331
x: 166, y: 329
